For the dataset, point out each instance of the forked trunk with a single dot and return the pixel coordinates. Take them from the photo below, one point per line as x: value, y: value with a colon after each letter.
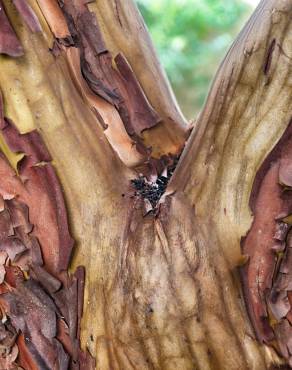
x: 182, y: 255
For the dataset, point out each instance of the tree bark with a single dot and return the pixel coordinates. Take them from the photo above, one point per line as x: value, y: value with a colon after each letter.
x: 167, y: 284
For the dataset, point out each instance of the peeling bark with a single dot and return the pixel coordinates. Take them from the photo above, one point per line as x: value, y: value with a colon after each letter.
x: 9, y: 43
x: 186, y: 250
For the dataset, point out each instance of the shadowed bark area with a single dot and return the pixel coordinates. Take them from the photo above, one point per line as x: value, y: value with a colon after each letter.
x: 162, y: 252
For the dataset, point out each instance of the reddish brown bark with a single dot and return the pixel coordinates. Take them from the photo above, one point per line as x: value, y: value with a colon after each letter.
x: 157, y: 224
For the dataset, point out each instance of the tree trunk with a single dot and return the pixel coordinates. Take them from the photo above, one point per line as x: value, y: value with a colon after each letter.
x: 183, y: 238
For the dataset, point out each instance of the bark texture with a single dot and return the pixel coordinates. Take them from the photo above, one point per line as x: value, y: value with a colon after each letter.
x: 163, y: 287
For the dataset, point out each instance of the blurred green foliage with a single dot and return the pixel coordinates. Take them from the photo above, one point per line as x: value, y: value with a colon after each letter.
x: 191, y: 37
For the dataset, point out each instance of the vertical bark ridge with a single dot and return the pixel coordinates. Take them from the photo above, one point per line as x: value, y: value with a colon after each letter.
x: 221, y: 124
x: 246, y: 113
x: 176, y: 306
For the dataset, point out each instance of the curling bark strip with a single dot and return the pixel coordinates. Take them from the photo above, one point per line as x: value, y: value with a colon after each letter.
x: 267, y: 274
x: 41, y: 302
